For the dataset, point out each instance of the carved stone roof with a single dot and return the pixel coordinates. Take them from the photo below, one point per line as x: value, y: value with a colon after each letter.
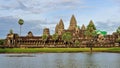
x: 56, y: 28
x: 30, y: 34
x: 46, y: 31
x: 61, y: 25
x: 83, y: 27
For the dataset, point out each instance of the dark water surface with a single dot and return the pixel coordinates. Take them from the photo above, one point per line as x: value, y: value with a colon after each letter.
x: 61, y: 60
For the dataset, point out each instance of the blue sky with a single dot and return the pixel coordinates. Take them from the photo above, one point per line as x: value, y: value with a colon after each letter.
x: 38, y: 14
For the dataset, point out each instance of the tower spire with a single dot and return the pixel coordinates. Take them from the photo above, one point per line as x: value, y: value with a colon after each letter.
x: 73, y: 23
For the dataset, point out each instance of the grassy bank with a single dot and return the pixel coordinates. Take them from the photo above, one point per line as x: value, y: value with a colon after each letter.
x: 56, y: 50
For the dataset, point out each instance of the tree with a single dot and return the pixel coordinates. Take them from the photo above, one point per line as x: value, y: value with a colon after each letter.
x: 118, y: 40
x: 44, y: 38
x: 87, y: 33
x: 90, y: 33
x: 2, y: 41
x: 20, y: 22
x: 55, y: 37
x: 77, y: 43
x: 67, y: 37
x: 118, y: 34
x: 11, y: 31
x: 118, y: 31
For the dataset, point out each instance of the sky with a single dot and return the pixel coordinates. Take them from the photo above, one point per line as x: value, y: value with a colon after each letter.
x: 40, y: 14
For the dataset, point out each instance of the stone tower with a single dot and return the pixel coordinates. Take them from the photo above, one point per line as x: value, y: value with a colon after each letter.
x: 46, y: 31
x: 30, y: 34
x: 10, y: 40
x: 59, y: 27
x: 82, y: 33
x: 83, y: 27
x: 77, y: 29
x: 73, y: 23
x: 56, y: 28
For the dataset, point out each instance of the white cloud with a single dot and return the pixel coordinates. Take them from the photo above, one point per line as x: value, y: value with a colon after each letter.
x: 36, y: 26
x: 109, y: 26
x: 37, y: 6
x: 34, y: 12
x: 12, y: 4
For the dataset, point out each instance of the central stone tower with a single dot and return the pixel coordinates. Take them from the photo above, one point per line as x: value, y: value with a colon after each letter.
x: 73, y: 23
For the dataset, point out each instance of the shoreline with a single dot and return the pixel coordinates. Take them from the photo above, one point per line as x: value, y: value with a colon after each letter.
x: 57, y: 50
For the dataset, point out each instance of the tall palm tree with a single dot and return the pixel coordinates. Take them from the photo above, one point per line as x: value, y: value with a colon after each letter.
x: 20, y: 22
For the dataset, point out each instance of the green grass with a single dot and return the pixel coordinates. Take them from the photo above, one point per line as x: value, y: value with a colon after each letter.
x: 56, y: 50
x: 106, y: 49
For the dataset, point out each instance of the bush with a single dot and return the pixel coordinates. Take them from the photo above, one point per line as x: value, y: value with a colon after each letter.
x: 118, y: 40
x: 2, y: 41
x: 77, y: 43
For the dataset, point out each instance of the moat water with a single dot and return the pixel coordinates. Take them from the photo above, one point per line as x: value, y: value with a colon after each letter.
x: 61, y: 60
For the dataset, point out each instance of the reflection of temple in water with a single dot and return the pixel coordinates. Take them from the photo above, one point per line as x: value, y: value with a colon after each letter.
x: 14, y: 40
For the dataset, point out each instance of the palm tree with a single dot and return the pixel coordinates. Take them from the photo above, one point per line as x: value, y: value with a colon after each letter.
x: 55, y: 37
x: 20, y: 22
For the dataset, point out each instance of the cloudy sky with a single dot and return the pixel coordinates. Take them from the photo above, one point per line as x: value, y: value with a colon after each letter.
x: 38, y: 14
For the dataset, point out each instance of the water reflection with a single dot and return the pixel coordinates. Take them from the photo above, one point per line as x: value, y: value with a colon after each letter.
x: 20, y: 55
x: 60, y: 60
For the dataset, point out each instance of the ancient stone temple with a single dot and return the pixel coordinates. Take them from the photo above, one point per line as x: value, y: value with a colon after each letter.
x: 46, y: 31
x: 77, y: 33
x: 73, y: 23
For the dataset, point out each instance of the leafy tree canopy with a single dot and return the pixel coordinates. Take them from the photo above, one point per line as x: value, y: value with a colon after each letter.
x: 55, y: 36
x: 44, y: 37
x: 91, y: 26
x: 11, y: 31
x: 118, y: 40
x: 118, y: 30
x: 21, y: 21
x: 90, y: 31
x: 77, y: 43
x: 67, y: 36
x: 2, y: 41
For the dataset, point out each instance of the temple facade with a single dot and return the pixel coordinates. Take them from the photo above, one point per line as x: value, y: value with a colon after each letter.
x: 78, y: 33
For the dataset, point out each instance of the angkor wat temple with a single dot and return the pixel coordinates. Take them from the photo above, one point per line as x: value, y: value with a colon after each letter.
x: 14, y: 40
